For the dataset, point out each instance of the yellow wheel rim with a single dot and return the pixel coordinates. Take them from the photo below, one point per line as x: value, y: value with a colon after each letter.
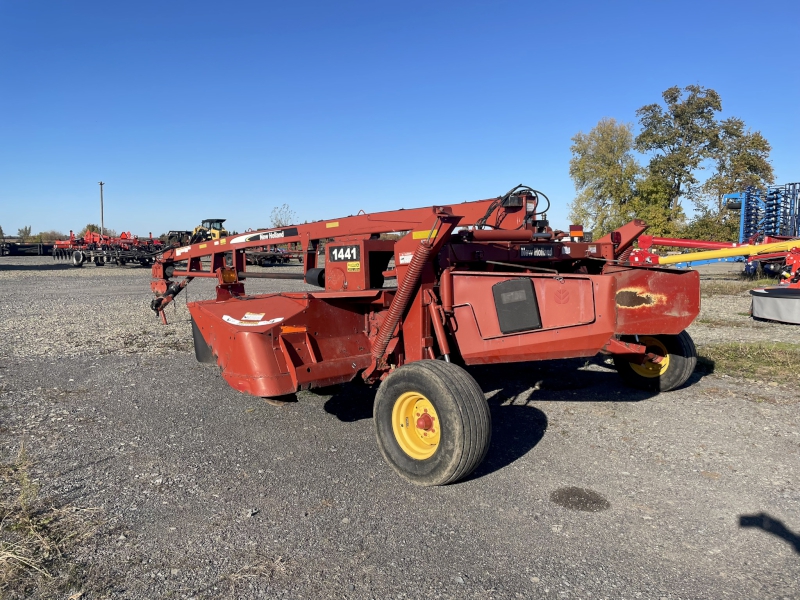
x: 416, y: 425
x: 650, y: 368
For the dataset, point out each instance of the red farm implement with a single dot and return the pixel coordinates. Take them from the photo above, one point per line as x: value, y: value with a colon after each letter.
x: 103, y: 249
x: 482, y: 282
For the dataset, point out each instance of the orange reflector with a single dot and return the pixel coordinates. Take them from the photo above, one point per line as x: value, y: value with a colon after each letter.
x: 293, y: 329
x: 228, y: 275
x: 575, y: 230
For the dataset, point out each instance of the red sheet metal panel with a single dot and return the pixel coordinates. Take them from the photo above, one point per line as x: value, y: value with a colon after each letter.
x: 573, y: 323
x: 653, y: 301
x: 276, y: 344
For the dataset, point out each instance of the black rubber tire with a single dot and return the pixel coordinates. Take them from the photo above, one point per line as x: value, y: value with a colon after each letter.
x: 77, y: 258
x: 466, y: 424
x: 682, y: 362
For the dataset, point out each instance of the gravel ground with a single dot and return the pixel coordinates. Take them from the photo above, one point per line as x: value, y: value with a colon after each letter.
x: 726, y: 318
x: 203, y: 492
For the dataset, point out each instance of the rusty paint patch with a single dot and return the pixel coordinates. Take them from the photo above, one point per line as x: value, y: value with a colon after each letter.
x: 638, y: 298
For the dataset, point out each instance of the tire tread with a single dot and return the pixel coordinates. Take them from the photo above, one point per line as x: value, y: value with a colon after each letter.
x: 469, y: 406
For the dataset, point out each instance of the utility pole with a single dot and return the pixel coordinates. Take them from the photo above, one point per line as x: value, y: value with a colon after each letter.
x: 102, y: 228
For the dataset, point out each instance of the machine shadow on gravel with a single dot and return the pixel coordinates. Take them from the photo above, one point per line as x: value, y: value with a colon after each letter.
x: 548, y: 380
x: 772, y: 526
x: 566, y: 381
x: 351, y: 401
x: 555, y: 381
x: 517, y: 425
x: 516, y: 429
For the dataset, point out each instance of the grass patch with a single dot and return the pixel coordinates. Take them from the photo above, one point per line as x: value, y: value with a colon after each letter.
x: 731, y: 287
x: 711, y: 322
x: 37, y: 536
x: 768, y: 361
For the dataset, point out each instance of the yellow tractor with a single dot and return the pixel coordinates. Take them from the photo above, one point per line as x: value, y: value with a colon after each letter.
x: 209, y: 229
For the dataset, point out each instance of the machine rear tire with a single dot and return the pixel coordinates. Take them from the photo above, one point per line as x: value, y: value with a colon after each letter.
x: 434, y: 393
x: 77, y: 258
x: 680, y: 361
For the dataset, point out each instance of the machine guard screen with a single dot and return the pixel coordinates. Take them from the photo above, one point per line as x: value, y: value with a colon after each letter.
x: 517, y: 308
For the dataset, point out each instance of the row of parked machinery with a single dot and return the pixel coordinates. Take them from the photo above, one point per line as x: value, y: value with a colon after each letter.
x: 103, y: 249
x: 125, y: 249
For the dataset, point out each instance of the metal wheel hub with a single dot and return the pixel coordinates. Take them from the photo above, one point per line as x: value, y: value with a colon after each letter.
x: 657, y: 361
x: 416, y: 425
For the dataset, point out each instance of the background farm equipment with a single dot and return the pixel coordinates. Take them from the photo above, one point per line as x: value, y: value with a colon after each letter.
x: 179, y: 237
x: 773, y: 211
x: 774, y: 303
x: 23, y: 249
x: 768, y: 216
x: 771, y: 214
x: 272, y: 255
x: 102, y: 249
x: 483, y: 282
x: 209, y: 229
x: 781, y: 303
x: 767, y: 255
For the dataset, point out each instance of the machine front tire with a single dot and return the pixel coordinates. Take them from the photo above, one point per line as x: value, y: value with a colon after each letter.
x: 679, y: 361
x: 432, y: 422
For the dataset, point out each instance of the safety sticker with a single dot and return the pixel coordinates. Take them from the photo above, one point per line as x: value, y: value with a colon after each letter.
x: 424, y: 235
x: 183, y: 250
x: 354, y: 267
x: 203, y: 245
x: 566, y: 250
x: 223, y: 241
x: 405, y: 257
x: 232, y: 321
x: 332, y: 224
x: 592, y: 249
x: 253, y: 316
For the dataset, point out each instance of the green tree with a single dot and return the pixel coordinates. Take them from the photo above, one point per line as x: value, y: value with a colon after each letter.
x: 604, y: 172
x: 24, y: 233
x: 90, y: 227
x: 282, y: 216
x: 742, y: 160
x: 653, y: 203
x: 680, y: 139
x: 47, y: 237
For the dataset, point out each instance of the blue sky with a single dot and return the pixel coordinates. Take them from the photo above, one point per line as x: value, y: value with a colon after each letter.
x: 189, y: 110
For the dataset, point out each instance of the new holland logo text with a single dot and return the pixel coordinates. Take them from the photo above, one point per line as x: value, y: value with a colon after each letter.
x: 536, y: 251
x: 266, y: 235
